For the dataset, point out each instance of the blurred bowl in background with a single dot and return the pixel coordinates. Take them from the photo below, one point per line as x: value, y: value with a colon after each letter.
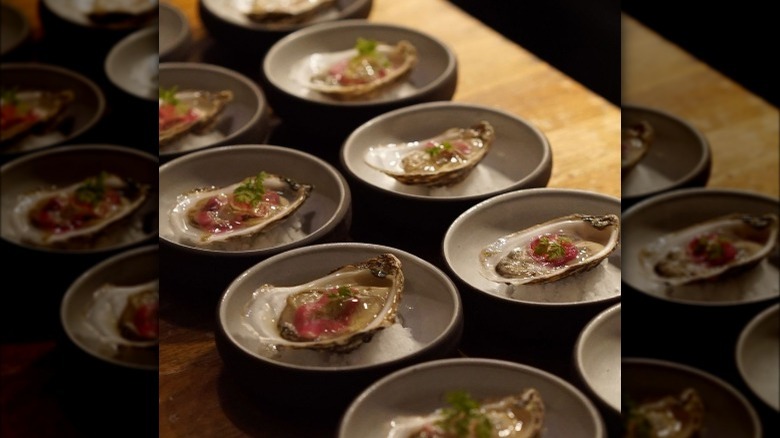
x: 597, y: 358
x: 758, y: 355
x: 175, y: 33
x: 14, y: 30
x: 132, y: 64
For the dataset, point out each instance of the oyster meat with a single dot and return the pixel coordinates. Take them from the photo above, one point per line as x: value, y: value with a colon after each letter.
x: 370, y: 67
x: 189, y: 111
x: 122, y: 12
x: 286, y: 11
x: 336, y: 313
x: 551, y: 250
x: 30, y: 111
x: 514, y: 416
x: 239, y: 210
x: 442, y: 160
x: 81, y: 210
x: 125, y: 316
x: 669, y: 416
x: 636, y: 140
x: 710, y: 249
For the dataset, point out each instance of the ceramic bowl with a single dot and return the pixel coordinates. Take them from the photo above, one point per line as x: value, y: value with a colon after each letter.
x: 175, y: 33
x: 429, y: 310
x: 132, y: 64
x: 134, y: 267
x: 77, y: 13
x: 287, y: 66
x: 726, y: 409
x: 87, y: 108
x: 559, y: 309
x: 229, y: 24
x: 678, y: 157
x: 597, y: 357
x: 758, y: 355
x: 15, y: 29
x: 420, y: 389
x: 245, y: 119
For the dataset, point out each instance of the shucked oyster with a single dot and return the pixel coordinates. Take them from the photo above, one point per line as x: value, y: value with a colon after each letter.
x: 710, y: 249
x: 438, y: 161
x: 81, y: 210
x: 189, y: 111
x: 635, y: 141
x: 25, y: 111
x: 239, y: 210
x: 668, y: 417
x: 286, y: 11
x: 515, y: 416
x: 368, y: 68
x: 551, y: 250
x: 337, y: 312
x: 125, y: 316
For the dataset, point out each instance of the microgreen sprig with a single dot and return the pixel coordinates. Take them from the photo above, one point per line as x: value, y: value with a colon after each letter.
x: 251, y: 191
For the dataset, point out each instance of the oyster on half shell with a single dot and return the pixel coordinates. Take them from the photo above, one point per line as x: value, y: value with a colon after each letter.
x: 370, y: 67
x: 337, y: 312
x: 189, y: 111
x: 551, y: 250
x: 515, y: 416
x: 710, y: 249
x: 286, y: 11
x: 636, y: 140
x: 438, y: 161
x: 670, y: 416
x: 25, y: 111
x: 125, y: 316
x: 242, y: 209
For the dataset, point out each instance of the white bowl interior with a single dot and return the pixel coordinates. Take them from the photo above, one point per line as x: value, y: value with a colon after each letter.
x: 597, y: 356
x: 288, y: 61
x: 429, y: 308
x: 132, y: 63
x: 519, y: 153
x: 174, y: 28
x: 420, y: 389
x: 234, y: 12
x: 329, y: 202
x: 501, y: 215
x: 651, y: 219
x: 130, y: 268
x: 758, y: 355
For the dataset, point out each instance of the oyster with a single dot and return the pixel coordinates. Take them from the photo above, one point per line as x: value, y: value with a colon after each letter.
x: 81, y: 210
x: 189, y: 111
x: 26, y: 111
x: 669, y: 416
x: 239, y: 210
x: 286, y: 11
x: 370, y: 67
x: 551, y: 250
x: 125, y: 316
x: 438, y: 161
x: 515, y: 416
x: 122, y: 12
x: 707, y: 250
x: 636, y: 140
x: 337, y: 312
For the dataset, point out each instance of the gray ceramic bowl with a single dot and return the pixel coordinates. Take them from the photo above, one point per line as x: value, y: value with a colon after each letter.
x: 132, y: 64
x: 129, y: 268
x: 597, y: 357
x: 758, y: 355
x: 727, y: 412
x: 543, y: 312
x: 434, y: 77
x: 175, y: 33
x: 14, y: 29
x: 229, y: 24
x: 420, y: 389
x: 59, y: 167
x: 245, y: 119
x: 679, y: 156
x: 652, y: 218
x: 84, y: 112
x: 430, y: 308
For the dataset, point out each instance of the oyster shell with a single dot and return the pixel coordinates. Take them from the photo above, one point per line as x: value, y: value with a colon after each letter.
x: 122, y: 12
x: 515, y: 416
x: 707, y: 250
x: 551, y: 250
x: 669, y: 416
x: 239, y: 210
x: 636, y: 140
x: 438, y: 161
x: 189, y: 111
x: 25, y: 111
x: 51, y: 216
x: 337, y: 312
x: 286, y: 11
x: 124, y: 316
x: 370, y: 67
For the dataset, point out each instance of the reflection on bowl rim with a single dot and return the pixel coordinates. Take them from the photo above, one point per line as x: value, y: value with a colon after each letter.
x: 181, y: 37
x: 544, y: 164
x: 579, y: 344
x: 323, y: 248
x: 83, y: 278
x: 24, y: 31
x: 758, y: 319
x: 336, y: 26
x: 351, y: 8
x: 117, y: 49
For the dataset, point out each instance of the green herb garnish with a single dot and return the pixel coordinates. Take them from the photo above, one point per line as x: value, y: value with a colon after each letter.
x: 438, y: 149
x: 9, y: 96
x: 93, y: 190
x: 168, y: 95
x: 365, y: 47
x: 342, y: 293
x: 552, y: 249
x: 251, y: 191
x: 464, y: 415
